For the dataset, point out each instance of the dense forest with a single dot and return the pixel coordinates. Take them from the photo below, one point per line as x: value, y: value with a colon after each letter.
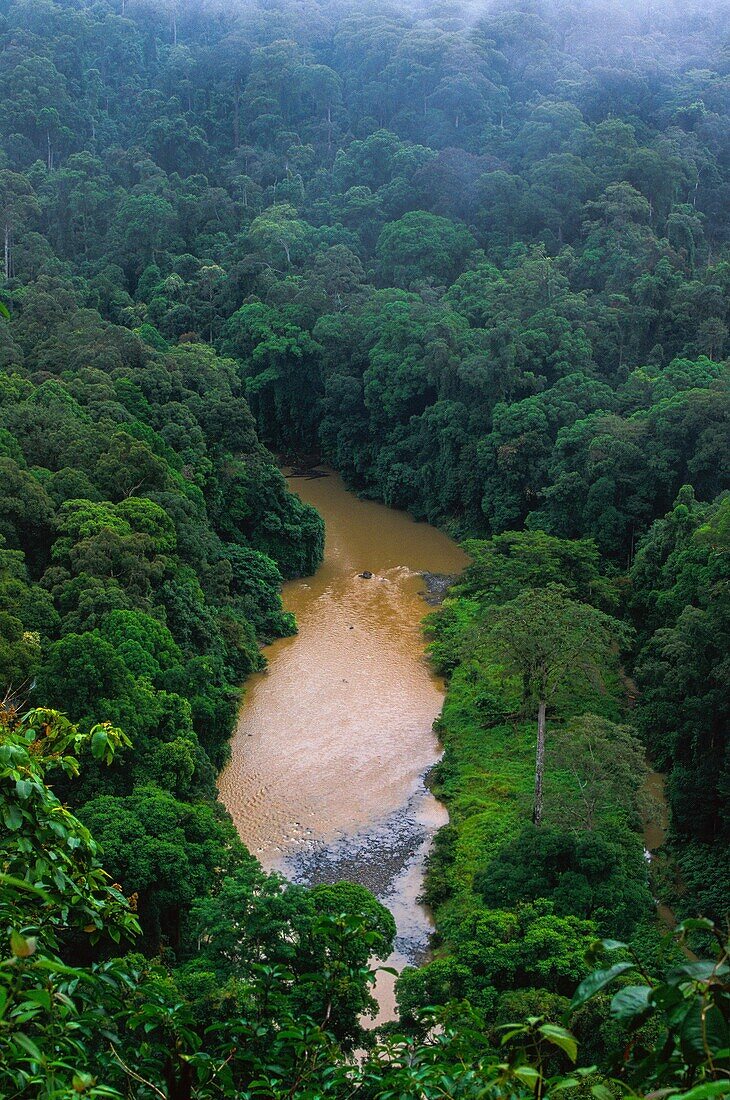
x: 475, y: 256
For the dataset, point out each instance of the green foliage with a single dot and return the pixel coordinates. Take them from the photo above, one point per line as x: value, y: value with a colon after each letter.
x: 421, y: 246
x: 478, y: 260
x: 548, y: 639
x: 501, y: 567
x: 691, y: 1001
x: 53, y: 893
x: 603, y: 770
x: 314, y: 944
x: 509, y: 636
x: 58, y: 884
x: 166, y: 852
x: 588, y: 875
x: 680, y: 597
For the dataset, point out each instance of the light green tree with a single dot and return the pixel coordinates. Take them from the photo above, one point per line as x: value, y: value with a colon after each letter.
x: 549, y: 640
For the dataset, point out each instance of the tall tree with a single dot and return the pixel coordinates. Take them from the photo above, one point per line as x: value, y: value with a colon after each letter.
x: 549, y: 639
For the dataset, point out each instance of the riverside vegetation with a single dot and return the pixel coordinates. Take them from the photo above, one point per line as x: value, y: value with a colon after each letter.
x: 476, y: 257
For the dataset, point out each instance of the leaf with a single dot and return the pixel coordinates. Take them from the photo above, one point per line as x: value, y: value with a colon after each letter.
x: 99, y: 743
x: 694, y: 924
x: 600, y: 947
x: 55, y: 967
x: 21, y: 947
x: 559, y: 1037
x: 528, y: 1076
x: 705, y: 1092
x: 596, y: 981
x: 602, y: 1092
x: 28, y: 1045
x: 21, y: 884
x: 631, y: 1003
x: 12, y: 817
x: 702, y: 970
x: 701, y: 1032
x: 41, y: 997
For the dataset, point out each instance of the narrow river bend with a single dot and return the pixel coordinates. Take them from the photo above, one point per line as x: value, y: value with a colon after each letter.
x: 326, y: 778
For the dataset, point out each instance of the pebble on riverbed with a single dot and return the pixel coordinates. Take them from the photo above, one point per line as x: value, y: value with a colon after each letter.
x: 374, y: 858
x: 437, y: 587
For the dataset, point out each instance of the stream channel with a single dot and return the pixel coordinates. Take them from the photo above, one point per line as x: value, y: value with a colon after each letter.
x: 334, y: 739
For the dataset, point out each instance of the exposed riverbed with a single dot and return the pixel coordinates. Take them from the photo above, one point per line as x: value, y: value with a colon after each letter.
x: 334, y: 739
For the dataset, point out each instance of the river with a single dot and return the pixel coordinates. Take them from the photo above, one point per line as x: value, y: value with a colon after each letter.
x: 326, y: 777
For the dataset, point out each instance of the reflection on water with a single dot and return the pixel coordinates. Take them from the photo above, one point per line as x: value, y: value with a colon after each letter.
x: 333, y: 740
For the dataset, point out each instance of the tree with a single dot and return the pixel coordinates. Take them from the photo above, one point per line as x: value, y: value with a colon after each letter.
x: 166, y: 851
x: 315, y: 943
x: 20, y: 652
x: 596, y: 877
x: 18, y: 204
x: 80, y: 670
x: 607, y: 767
x: 501, y: 567
x: 277, y: 232
x: 281, y: 368
x: 129, y: 466
x: 549, y: 640
x: 422, y: 246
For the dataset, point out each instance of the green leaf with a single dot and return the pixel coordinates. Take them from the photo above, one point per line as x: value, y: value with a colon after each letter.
x: 55, y: 967
x: 702, y: 970
x: 559, y: 1037
x: 602, y: 1092
x: 528, y: 1076
x: 596, y: 981
x: 21, y: 884
x: 82, y: 1081
x: 28, y: 1045
x: 694, y: 924
x: 631, y: 1003
x: 702, y: 1032
x: 99, y: 743
x: 40, y: 997
x: 600, y: 947
x: 12, y: 817
x: 706, y: 1091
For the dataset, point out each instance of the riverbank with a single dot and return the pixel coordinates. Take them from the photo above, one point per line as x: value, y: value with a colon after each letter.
x: 594, y: 880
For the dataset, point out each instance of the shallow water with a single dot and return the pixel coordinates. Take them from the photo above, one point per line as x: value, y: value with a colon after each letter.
x: 334, y: 738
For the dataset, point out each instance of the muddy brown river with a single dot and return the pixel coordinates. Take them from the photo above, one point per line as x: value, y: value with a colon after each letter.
x: 326, y: 777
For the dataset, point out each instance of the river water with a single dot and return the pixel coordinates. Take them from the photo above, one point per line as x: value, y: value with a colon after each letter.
x: 326, y: 777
